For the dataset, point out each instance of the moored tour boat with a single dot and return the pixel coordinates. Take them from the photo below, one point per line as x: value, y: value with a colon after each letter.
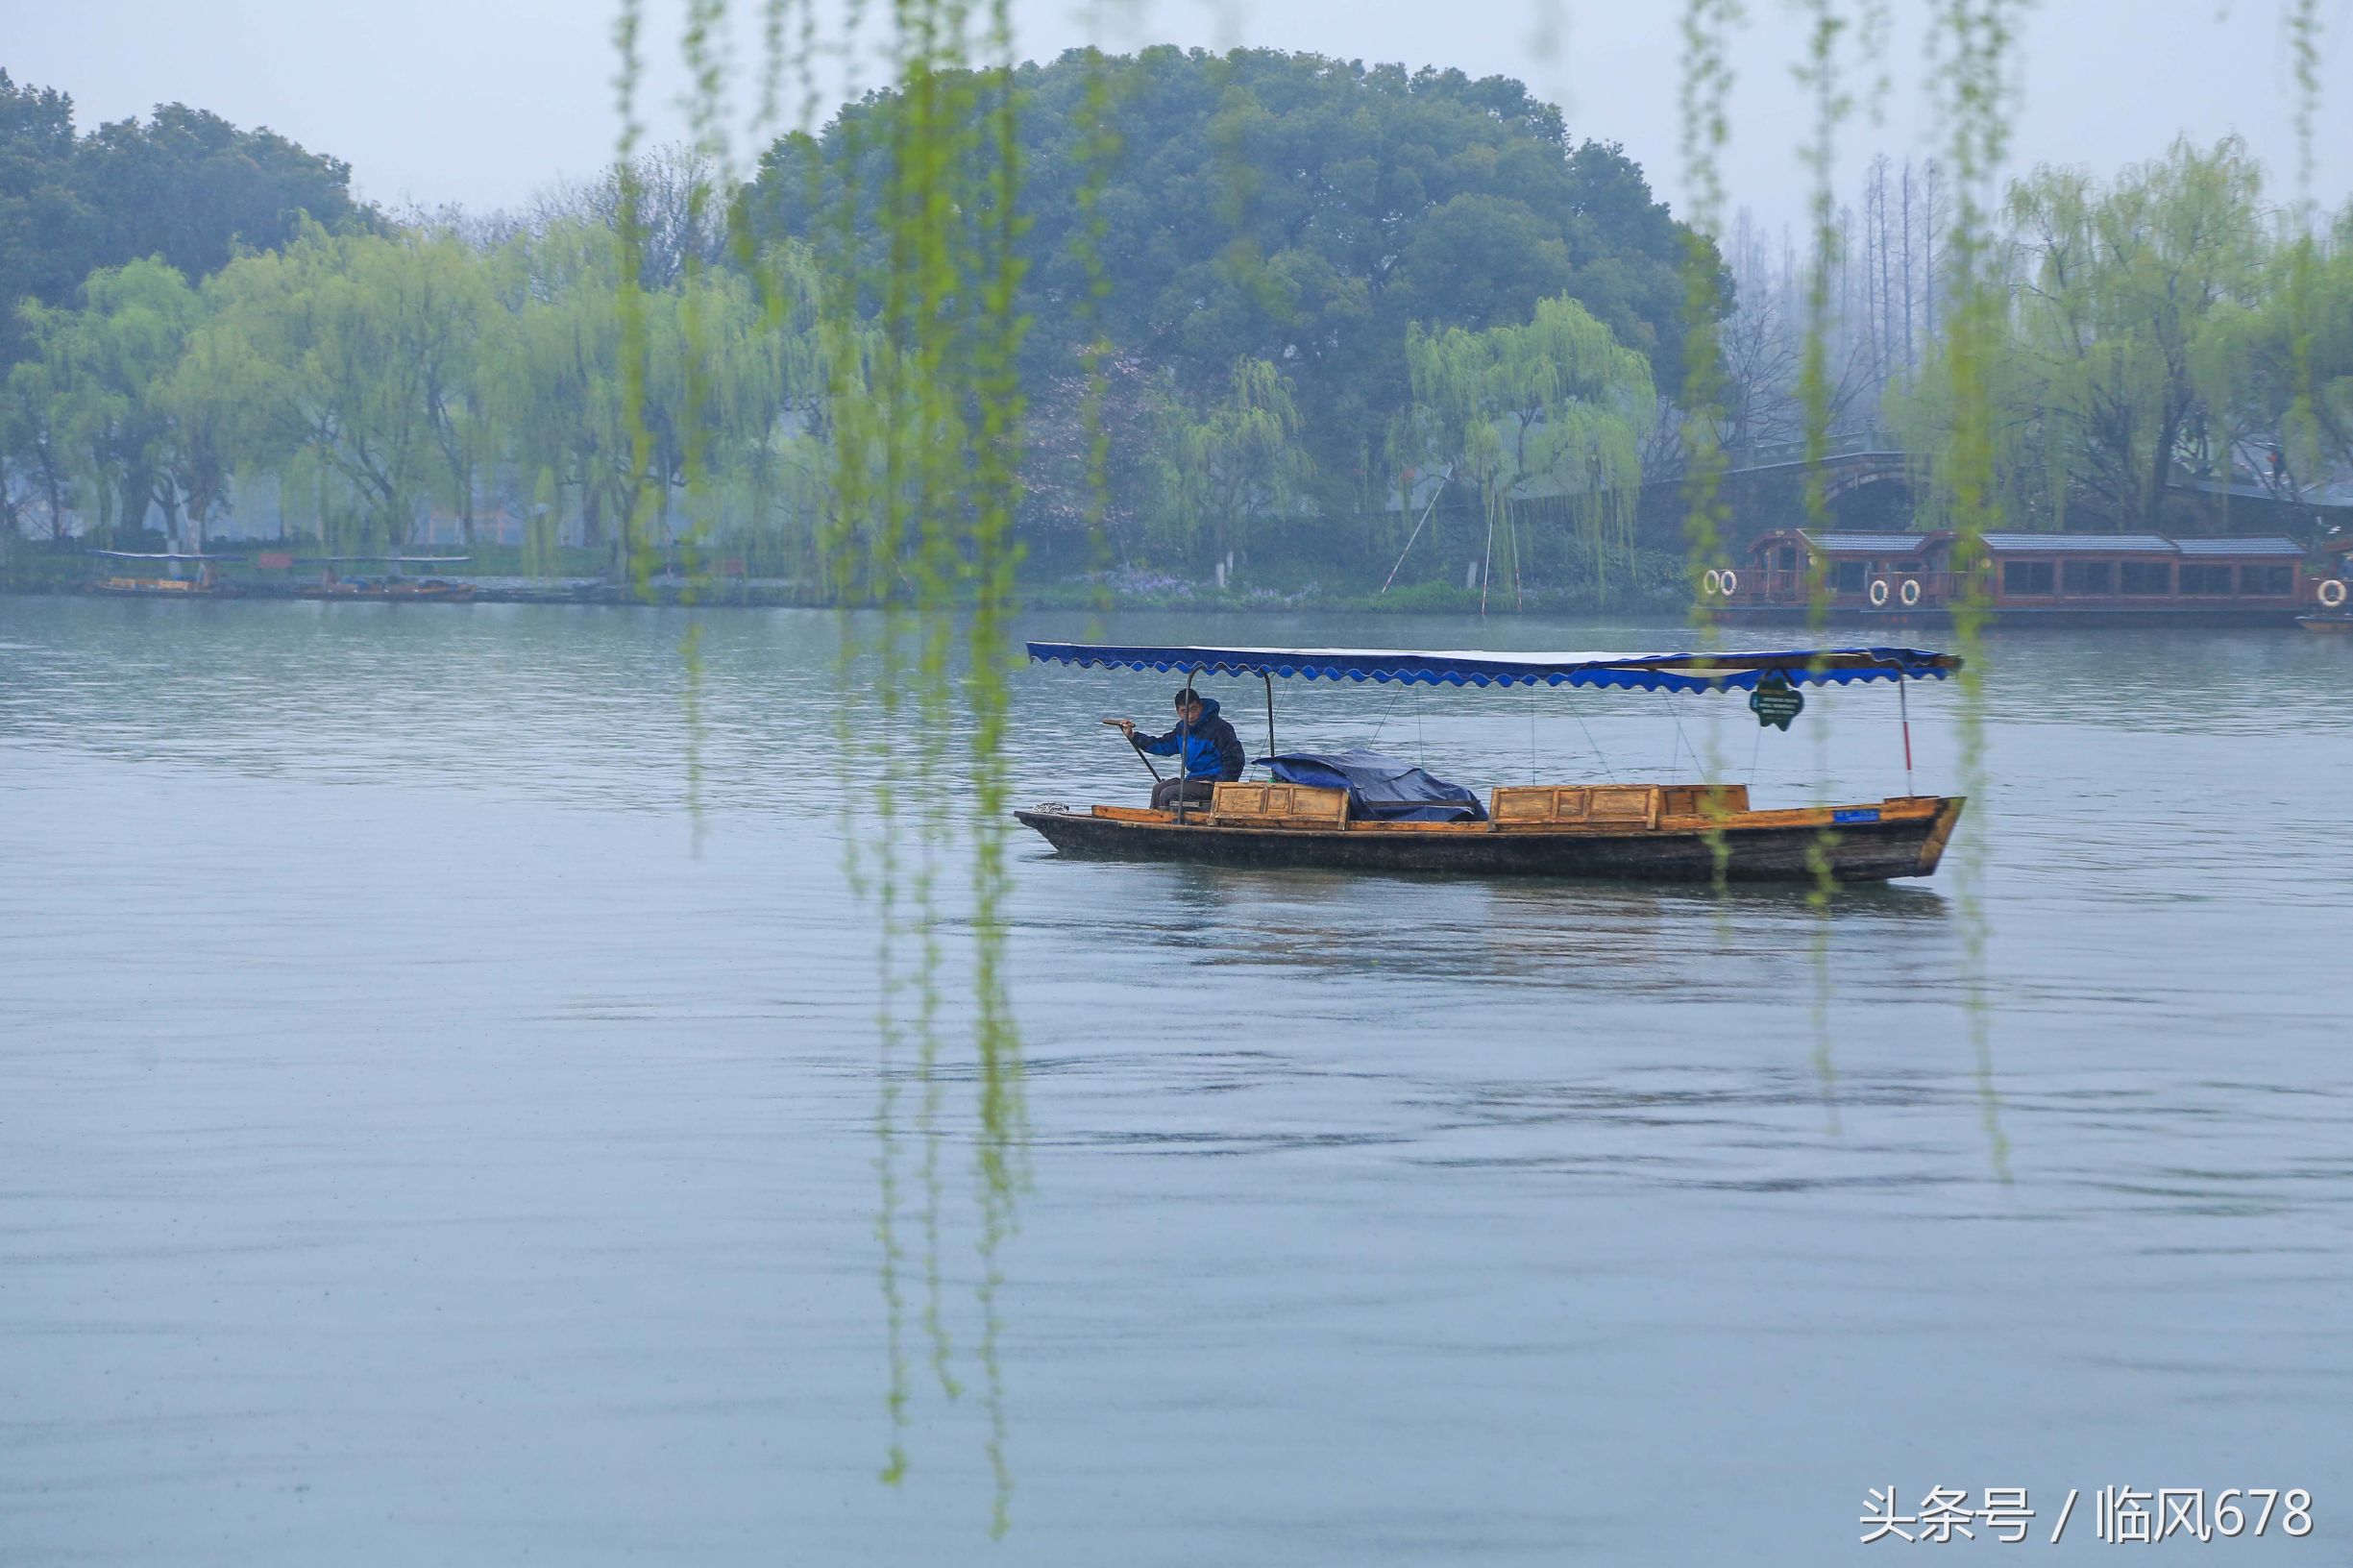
x: 394, y: 587
x: 1343, y: 812
x: 206, y: 583
x: 1799, y: 575
x: 429, y: 590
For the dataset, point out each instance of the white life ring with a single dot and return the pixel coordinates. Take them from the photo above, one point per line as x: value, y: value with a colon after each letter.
x: 1878, y: 591
x: 1713, y: 582
x: 1731, y: 582
x: 1911, y: 591
x: 2333, y: 593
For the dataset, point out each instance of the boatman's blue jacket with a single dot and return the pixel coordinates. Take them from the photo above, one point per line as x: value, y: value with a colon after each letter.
x: 1211, y: 748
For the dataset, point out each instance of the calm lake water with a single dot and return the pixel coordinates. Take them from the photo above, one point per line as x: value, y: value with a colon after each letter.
x: 443, y: 1118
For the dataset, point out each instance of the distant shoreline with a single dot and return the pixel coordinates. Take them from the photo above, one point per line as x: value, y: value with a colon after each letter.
x: 1422, y: 599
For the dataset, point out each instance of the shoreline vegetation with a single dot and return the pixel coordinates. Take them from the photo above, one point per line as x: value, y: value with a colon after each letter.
x: 1287, y: 328
x: 1651, y: 582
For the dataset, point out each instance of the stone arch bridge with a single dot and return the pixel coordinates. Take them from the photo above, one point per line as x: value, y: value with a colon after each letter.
x: 1868, y: 478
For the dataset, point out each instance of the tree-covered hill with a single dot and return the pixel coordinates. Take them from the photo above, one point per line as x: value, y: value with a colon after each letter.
x: 185, y: 185
x: 1288, y: 208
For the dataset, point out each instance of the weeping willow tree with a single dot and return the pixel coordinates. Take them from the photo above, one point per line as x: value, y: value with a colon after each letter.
x: 1840, y: 42
x: 2310, y: 416
x: 1235, y: 460
x: 2119, y: 286
x: 98, y: 388
x: 1972, y: 79
x: 1705, y: 27
x: 907, y: 430
x: 2284, y: 362
x: 348, y: 358
x: 2168, y: 326
x: 913, y: 446
x: 1975, y: 45
x: 1556, y: 409
x: 1707, y: 78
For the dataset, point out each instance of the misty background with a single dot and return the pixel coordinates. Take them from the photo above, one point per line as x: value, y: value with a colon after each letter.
x: 482, y: 102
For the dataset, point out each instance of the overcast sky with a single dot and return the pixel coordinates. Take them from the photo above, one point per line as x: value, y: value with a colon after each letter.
x: 481, y: 101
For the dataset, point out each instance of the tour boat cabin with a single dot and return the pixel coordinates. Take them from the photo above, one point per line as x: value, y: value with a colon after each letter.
x: 2026, y: 577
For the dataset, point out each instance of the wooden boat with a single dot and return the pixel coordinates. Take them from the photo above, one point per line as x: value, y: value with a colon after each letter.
x: 394, y: 587
x: 1677, y: 832
x: 398, y: 590
x: 2340, y: 621
x: 208, y: 583
x: 159, y: 588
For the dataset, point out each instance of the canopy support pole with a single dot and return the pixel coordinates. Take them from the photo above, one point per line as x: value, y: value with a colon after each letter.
x: 1185, y: 735
x: 1903, y: 705
x: 1270, y: 711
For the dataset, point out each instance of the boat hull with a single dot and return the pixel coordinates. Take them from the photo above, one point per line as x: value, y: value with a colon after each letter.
x: 422, y: 592
x: 160, y: 588
x: 1908, y: 839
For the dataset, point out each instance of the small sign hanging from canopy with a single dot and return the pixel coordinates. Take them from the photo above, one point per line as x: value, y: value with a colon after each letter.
x: 1776, y: 702
x: 1696, y: 671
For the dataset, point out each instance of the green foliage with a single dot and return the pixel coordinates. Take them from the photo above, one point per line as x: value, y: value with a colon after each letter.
x: 2274, y: 366
x: 1554, y: 408
x: 350, y: 358
x: 185, y: 185
x: 1705, y: 28
x: 95, y: 398
x: 376, y: 377
x: 35, y: 410
x: 557, y: 394
x: 1194, y: 211
x: 2164, y: 326
x: 1212, y: 267
x: 44, y: 218
x: 1238, y: 458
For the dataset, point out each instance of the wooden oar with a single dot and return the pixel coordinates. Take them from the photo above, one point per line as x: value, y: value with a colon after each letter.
x: 1137, y: 749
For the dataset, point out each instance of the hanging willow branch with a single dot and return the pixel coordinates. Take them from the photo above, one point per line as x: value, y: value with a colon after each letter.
x: 1707, y: 128
x: 892, y: 326
x: 1974, y: 40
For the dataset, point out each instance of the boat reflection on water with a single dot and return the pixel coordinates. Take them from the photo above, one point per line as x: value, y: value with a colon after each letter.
x: 1586, y: 968
x: 1576, y: 936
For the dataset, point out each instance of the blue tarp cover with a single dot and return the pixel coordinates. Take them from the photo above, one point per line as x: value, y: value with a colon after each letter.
x: 1647, y: 672
x: 1380, y: 789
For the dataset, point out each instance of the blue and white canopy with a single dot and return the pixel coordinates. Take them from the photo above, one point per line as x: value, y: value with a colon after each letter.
x: 1698, y: 671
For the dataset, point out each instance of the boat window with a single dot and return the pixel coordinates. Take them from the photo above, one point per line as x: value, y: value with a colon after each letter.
x: 1846, y: 576
x: 2267, y: 579
x: 2088, y: 576
x: 1789, y: 558
x: 2200, y: 579
x: 2149, y: 577
x: 2026, y: 577
x: 1907, y: 565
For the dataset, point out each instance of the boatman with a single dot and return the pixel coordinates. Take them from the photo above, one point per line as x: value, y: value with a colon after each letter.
x: 1208, y: 750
